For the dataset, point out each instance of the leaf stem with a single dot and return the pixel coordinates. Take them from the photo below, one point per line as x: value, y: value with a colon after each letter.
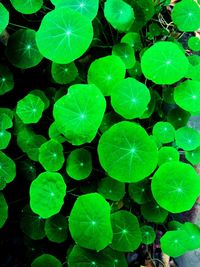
x: 17, y: 25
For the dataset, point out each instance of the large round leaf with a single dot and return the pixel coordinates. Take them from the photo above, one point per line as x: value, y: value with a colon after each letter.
x: 46, y: 260
x: 87, y: 8
x: 119, y: 14
x: 175, y: 182
x: 130, y: 98
x: 79, y: 164
x: 89, y: 222
x: 4, y: 15
x: 187, y: 95
x: 7, y: 168
x: 47, y: 194
x: 105, y: 72
x: 64, y: 35
x: 3, y: 210
x: 126, y: 231
x: 132, y: 153
x: 6, y: 80
x: 30, y: 108
x: 186, y: 15
x: 27, y: 6
x: 51, y: 155
x: 164, y: 63
x: 21, y: 49
x: 78, y: 114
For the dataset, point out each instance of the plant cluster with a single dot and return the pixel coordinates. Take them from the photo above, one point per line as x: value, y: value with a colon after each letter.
x: 95, y: 100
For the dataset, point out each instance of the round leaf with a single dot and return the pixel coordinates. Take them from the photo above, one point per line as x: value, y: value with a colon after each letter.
x: 47, y: 194
x: 126, y: 231
x: 111, y: 189
x: 119, y: 14
x: 30, y: 108
x: 126, y: 53
x: 166, y: 154
x: 89, y: 222
x: 175, y: 182
x: 193, y: 156
x: 194, y: 43
x: 56, y: 228
x: 64, y: 35
x: 78, y: 114
x: 140, y: 191
x: 187, y: 95
x: 164, y: 132
x: 64, y: 73
x: 7, y: 168
x: 46, y: 260
x: 132, y: 153
x: 79, y: 164
x: 130, y: 98
x: 51, y: 155
x: 87, y: 8
x: 21, y: 49
x: 27, y: 6
x: 3, y: 210
x: 186, y: 16
x: 152, y: 212
x: 4, y: 15
x: 187, y: 138
x: 106, y: 72
x: 164, y: 63
x: 6, y: 80
x: 148, y: 234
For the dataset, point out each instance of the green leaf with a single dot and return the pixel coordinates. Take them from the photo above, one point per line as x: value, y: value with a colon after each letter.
x: 130, y: 98
x: 32, y: 224
x: 132, y: 153
x: 89, y: 222
x: 187, y: 96
x: 6, y: 80
x: 164, y: 63
x: 30, y: 108
x: 109, y: 119
x: 42, y: 96
x: 79, y: 164
x: 133, y: 39
x: 152, y: 212
x: 166, y: 154
x: 140, y: 191
x: 64, y: 35
x: 186, y: 16
x: 7, y: 168
x: 21, y: 49
x: 5, y: 136
x: 148, y: 234
x: 175, y: 182
x: 3, y: 210
x: 4, y: 15
x: 178, y: 117
x: 56, y: 228
x: 126, y: 231
x: 119, y: 14
x: 106, y: 72
x: 87, y: 8
x: 194, y: 43
x: 47, y: 194
x: 80, y: 257
x: 193, y: 232
x: 164, y: 132
x: 193, y: 156
x: 51, y: 155
x: 111, y: 189
x: 46, y: 260
x: 126, y: 53
x: 55, y: 134
x: 27, y: 6
x: 64, y: 73
x: 78, y: 114
x: 187, y: 138
x: 173, y: 243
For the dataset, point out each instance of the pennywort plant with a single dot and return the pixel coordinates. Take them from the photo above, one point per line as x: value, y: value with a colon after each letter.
x: 96, y: 96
